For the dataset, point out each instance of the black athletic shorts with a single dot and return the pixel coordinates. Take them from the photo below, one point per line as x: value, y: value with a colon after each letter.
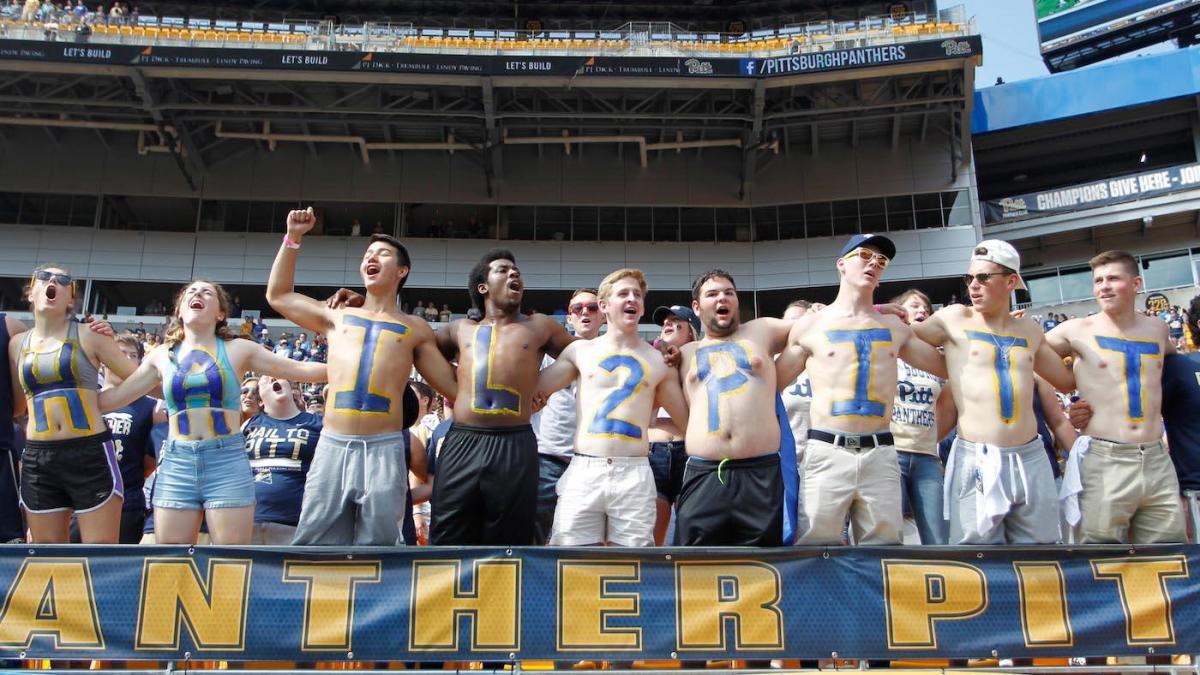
x: 485, y: 488
x: 79, y: 474
x: 736, y: 502
x: 667, y: 461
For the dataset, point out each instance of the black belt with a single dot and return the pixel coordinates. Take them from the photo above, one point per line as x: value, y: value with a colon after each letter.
x: 853, y: 441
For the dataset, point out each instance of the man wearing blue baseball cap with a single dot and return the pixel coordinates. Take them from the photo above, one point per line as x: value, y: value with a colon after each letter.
x: 850, y: 466
x: 668, y: 454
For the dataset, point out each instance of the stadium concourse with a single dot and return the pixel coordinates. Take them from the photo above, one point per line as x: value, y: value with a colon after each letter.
x: 674, y: 336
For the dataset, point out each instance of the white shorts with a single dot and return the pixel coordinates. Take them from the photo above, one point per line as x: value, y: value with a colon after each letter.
x: 605, y: 500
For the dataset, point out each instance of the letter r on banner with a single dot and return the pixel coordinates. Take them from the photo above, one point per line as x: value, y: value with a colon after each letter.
x: 920, y: 593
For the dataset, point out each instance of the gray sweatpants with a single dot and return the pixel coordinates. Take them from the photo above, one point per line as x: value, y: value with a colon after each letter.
x: 1027, y: 483
x: 355, y: 491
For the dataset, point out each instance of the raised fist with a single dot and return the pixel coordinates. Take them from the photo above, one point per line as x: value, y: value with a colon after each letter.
x: 300, y: 222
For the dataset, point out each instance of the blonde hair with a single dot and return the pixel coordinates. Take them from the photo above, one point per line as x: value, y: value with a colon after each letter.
x: 175, y: 324
x: 606, y: 286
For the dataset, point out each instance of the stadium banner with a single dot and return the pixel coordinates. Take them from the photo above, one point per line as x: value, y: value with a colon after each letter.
x: 496, y: 604
x: 1089, y: 195
x: 498, y: 65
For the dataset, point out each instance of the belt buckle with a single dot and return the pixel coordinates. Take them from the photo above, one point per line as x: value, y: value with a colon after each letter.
x: 852, y: 442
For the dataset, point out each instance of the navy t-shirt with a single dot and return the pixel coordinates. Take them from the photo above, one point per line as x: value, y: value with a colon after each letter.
x: 158, y: 436
x: 131, y: 428
x: 1180, y: 402
x: 280, y: 453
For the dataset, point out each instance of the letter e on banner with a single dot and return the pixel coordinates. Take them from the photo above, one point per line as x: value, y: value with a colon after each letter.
x: 711, y: 595
x: 587, y: 602
x: 920, y: 593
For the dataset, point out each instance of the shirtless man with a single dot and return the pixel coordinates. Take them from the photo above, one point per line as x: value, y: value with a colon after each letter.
x: 849, y: 350
x: 733, y: 486
x: 668, y: 455
x: 485, y: 488
x: 607, y: 494
x: 999, y: 487
x: 1120, y: 485
x: 356, y: 487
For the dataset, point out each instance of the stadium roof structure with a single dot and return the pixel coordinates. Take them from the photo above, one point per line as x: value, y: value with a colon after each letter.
x: 207, y: 116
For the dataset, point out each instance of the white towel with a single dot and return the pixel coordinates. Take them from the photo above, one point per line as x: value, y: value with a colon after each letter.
x: 1072, y: 482
x: 991, y: 504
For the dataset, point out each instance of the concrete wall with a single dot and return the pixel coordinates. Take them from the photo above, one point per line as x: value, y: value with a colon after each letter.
x: 596, y: 175
x: 438, y: 263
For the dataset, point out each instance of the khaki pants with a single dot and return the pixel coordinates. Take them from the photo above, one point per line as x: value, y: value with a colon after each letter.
x: 1191, y: 509
x: 862, y: 483
x: 1130, y: 495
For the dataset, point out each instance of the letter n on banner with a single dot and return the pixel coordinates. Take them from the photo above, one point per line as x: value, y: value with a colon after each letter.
x: 51, y: 597
x: 919, y: 593
x: 212, y: 606
x: 710, y: 595
x: 440, y: 600
x: 1142, y: 583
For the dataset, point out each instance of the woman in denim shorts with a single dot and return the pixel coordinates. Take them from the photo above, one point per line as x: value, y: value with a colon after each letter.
x: 203, y: 471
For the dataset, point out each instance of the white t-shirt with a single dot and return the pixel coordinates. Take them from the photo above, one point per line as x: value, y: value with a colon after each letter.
x: 797, y: 400
x: 914, y: 423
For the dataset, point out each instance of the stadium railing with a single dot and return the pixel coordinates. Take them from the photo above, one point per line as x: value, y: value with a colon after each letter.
x: 632, y: 39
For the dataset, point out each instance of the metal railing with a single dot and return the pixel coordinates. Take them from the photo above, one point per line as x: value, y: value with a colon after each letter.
x: 631, y: 39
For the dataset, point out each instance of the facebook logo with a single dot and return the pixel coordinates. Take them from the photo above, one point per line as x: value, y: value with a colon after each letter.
x: 749, y: 67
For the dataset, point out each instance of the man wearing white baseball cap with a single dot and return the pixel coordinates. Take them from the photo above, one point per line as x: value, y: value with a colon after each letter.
x: 1000, y: 487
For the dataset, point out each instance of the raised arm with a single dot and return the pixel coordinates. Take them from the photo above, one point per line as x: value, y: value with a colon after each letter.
x: 920, y: 354
x: 251, y: 356
x: 143, y: 379
x: 794, y: 357
x: 429, y: 361
x: 105, y: 348
x: 1049, y: 365
x: 933, y: 330
x: 669, y: 395
x: 281, y: 286
x: 558, y: 374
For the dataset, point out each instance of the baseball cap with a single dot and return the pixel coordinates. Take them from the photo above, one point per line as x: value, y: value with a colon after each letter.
x: 879, y: 241
x: 1000, y: 252
x: 685, y: 313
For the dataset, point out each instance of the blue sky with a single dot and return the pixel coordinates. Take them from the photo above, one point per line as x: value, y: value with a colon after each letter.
x: 1010, y: 42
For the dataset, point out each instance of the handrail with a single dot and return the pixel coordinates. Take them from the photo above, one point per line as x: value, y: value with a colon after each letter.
x: 631, y: 39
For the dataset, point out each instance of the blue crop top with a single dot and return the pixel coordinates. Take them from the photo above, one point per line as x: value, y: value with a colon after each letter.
x: 198, y: 380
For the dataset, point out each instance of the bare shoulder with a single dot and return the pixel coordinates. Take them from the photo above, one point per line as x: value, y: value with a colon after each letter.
x: 15, y: 326
x: 953, y: 313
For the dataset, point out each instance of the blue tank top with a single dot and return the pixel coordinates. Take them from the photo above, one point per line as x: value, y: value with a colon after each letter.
x: 6, y: 403
x: 197, y: 380
x: 58, y: 376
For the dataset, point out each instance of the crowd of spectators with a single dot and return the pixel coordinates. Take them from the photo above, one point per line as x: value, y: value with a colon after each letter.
x: 1174, y: 316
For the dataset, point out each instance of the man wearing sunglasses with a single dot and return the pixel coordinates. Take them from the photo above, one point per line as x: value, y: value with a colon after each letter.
x: 850, y: 465
x: 999, y: 487
x: 555, y: 424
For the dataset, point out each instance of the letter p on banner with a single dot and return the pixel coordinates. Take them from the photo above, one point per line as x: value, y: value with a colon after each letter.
x: 919, y: 593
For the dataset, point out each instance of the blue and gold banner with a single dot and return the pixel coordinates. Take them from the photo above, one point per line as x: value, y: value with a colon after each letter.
x: 435, y: 604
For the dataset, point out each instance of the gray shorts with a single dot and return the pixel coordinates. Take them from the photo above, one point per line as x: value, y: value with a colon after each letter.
x: 355, y: 491
x: 1027, y: 483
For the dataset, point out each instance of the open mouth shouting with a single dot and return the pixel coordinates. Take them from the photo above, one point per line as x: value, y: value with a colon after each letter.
x: 276, y: 387
x: 51, y: 292
x: 372, y: 269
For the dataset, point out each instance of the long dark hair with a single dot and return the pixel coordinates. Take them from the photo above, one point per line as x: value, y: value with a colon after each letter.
x: 1193, y: 322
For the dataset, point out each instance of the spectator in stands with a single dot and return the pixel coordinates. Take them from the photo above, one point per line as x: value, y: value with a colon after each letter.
x: 320, y: 351
x: 30, y: 11
x: 1175, y: 323
x: 219, y: 488
x: 356, y: 228
x: 419, y: 310
x: 249, y: 400
x: 133, y: 16
x: 444, y: 315
x: 284, y: 346
x: 69, y: 463
x: 378, y: 229
x: 300, y: 350
x: 117, y: 14
x: 279, y: 444
x: 264, y: 339
x: 431, y: 312
x: 1049, y: 323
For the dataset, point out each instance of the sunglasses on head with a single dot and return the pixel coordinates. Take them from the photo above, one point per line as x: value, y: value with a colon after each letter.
x: 59, y: 278
x: 579, y: 307
x: 982, y: 277
x: 867, y: 255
